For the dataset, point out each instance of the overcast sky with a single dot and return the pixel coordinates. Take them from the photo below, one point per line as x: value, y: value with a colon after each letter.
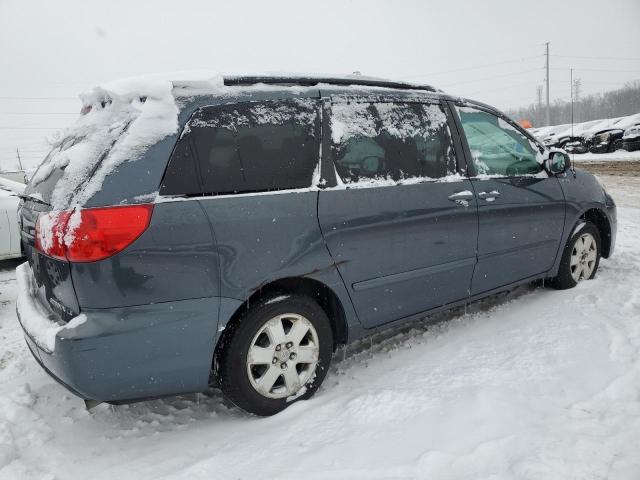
x: 489, y: 50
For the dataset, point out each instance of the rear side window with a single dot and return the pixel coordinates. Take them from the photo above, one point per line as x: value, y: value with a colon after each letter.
x: 181, y: 176
x: 254, y: 147
x: 390, y: 141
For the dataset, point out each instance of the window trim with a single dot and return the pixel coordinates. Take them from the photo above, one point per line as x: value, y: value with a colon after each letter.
x: 471, y: 169
x: 316, y: 182
x: 328, y: 162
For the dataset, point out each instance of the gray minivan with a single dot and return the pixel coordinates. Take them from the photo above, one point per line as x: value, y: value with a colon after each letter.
x: 278, y: 218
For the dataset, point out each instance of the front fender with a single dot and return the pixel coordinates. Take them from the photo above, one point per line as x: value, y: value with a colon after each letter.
x: 583, y: 195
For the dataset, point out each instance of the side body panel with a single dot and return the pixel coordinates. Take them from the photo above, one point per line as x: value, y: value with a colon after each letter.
x: 520, y: 230
x: 174, y: 259
x: 266, y: 237
x: 401, y: 249
x: 583, y: 192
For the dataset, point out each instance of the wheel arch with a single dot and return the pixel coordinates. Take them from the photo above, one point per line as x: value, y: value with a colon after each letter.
x: 601, y: 221
x: 324, y: 295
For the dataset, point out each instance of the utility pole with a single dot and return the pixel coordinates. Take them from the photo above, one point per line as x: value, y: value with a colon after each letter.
x: 539, y: 96
x: 572, y: 102
x: 577, y: 85
x: 547, y: 80
x: 539, y: 105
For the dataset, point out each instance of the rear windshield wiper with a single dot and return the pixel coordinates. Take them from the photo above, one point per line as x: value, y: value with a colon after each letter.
x: 31, y: 198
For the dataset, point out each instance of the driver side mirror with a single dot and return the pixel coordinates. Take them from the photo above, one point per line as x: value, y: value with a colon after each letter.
x: 558, y: 162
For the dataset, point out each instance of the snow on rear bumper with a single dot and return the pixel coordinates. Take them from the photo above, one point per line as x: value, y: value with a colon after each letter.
x: 124, y: 353
x: 34, y: 318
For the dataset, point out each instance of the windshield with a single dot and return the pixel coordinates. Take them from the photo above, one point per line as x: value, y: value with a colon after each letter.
x: 72, y: 161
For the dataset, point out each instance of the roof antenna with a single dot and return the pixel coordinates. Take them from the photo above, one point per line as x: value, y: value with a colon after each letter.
x: 573, y: 168
x: 24, y: 174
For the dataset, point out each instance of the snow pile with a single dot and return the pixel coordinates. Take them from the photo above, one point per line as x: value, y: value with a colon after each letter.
x: 617, y: 156
x: 33, y: 318
x: 124, y: 118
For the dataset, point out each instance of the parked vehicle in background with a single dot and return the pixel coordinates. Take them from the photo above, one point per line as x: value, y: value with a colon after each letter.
x: 10, y: 246
x: 572, y: 139
x: 550, y: 136
x: 631, y: 139
x: 237, y: 230
x: 609, y: 139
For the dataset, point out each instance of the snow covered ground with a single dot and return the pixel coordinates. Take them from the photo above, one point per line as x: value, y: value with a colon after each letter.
x: 538, y: 384
x: 617, y: 156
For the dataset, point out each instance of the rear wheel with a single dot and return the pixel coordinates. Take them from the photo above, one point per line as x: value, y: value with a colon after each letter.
x: 276, y: 353
x: 616, y: 145
x: 580, y: 258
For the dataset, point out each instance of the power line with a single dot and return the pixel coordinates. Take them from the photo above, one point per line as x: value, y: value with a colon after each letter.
x: 11, y: 149
x: 495, y: 76
x: 597, y: 58
x: 501, y: 87
x: 39, y: 113
x: 608, y: 70
x: 4, y: 127
x: 589, y: 82
x: 43, y: 144
x: 39, y: 98
x: 23, y: 151
x: 474, y: 67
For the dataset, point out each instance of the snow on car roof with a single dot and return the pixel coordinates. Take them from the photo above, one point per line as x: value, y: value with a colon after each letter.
x: 121, y: 119
x: 205, y: 81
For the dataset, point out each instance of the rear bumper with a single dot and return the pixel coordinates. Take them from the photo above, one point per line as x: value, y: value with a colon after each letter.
x: 631, y: 145
x: 129, y: 353
x: 599, y: 148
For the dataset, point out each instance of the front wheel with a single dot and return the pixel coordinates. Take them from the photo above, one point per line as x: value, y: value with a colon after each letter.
x: 580, y: 258
x: 276, y: 353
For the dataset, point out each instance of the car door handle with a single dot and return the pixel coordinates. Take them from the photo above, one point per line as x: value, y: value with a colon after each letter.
x: 489, y: 197
x: 461, y: 198
x: 465, y: 195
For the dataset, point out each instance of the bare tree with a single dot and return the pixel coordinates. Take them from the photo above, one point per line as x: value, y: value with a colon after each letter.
x: 616, y: 103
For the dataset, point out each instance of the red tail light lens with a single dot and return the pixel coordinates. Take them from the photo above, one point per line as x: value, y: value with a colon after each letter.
x: 50, y: 229
x: 91, y: 234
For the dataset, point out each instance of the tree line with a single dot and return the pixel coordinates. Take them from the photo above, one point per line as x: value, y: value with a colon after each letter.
x: 615, y: 103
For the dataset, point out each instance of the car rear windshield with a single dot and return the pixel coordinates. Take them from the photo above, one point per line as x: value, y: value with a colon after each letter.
x: 72, y: 162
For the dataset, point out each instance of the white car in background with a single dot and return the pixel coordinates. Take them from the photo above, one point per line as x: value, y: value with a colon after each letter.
x: 9, y: 228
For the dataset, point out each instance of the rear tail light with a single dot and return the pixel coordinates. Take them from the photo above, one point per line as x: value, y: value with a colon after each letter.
x: 91, y: 234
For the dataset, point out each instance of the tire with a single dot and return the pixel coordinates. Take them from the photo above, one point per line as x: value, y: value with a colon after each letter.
x: 616, y: 145
x: 570, y: 272
x: 241, y: 376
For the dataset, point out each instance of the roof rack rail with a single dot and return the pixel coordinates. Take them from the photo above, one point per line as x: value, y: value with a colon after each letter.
x: 313, y: 81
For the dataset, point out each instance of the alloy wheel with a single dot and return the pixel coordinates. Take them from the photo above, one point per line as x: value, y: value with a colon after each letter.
x: 583, y: 257
x: 283, y: 356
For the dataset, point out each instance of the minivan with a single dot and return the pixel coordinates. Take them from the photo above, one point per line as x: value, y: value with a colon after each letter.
x: 235, y: 231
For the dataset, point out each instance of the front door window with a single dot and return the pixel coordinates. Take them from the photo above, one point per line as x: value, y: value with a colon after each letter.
x: 498, y: 148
